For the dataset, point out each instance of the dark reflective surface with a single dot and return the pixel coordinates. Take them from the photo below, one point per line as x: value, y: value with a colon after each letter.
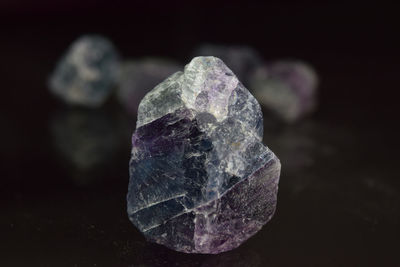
x: 338, y: 204
x: 64, y: 171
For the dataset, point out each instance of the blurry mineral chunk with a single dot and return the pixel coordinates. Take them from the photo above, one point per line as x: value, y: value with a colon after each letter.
x: 87, y: 72
x: 287, y: 88
x: 242, y: 60
x: 139, y: 77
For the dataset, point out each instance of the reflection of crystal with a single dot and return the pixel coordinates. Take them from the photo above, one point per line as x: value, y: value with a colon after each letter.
x: 288, y: 88
x: 242, y: 60
x: 245, y: 258
x: 299, y: 148
x: 294, y: 147
x: 201, y: 181
x: 87, y: 72
x: 85, y: 139
x: 139, y: 77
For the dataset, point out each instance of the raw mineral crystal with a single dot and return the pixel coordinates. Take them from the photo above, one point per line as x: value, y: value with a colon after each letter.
x: 201, y: 181
x: 241, y: 59
x: 87, y: 72
x: 139, y: 77
x: 287, y: 88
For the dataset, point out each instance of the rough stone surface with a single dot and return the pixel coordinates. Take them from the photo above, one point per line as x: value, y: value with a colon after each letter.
x: 287, y: 88
x: 242, y: 60
x: 138, y: 77
x: 201, y: 181
x: 87, y: 72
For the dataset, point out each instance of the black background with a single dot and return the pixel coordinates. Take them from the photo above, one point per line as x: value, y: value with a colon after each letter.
x: 339, y: 197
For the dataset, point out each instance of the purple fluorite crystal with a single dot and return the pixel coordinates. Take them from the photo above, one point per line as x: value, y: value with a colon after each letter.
x: 201, y: 181
x: 287, y: 88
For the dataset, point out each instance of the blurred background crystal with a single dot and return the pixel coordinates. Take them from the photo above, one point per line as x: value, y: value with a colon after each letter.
x: 87, y: 72
x: 139, y: 77
x: 241, y: 59
x: 287, y: 88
